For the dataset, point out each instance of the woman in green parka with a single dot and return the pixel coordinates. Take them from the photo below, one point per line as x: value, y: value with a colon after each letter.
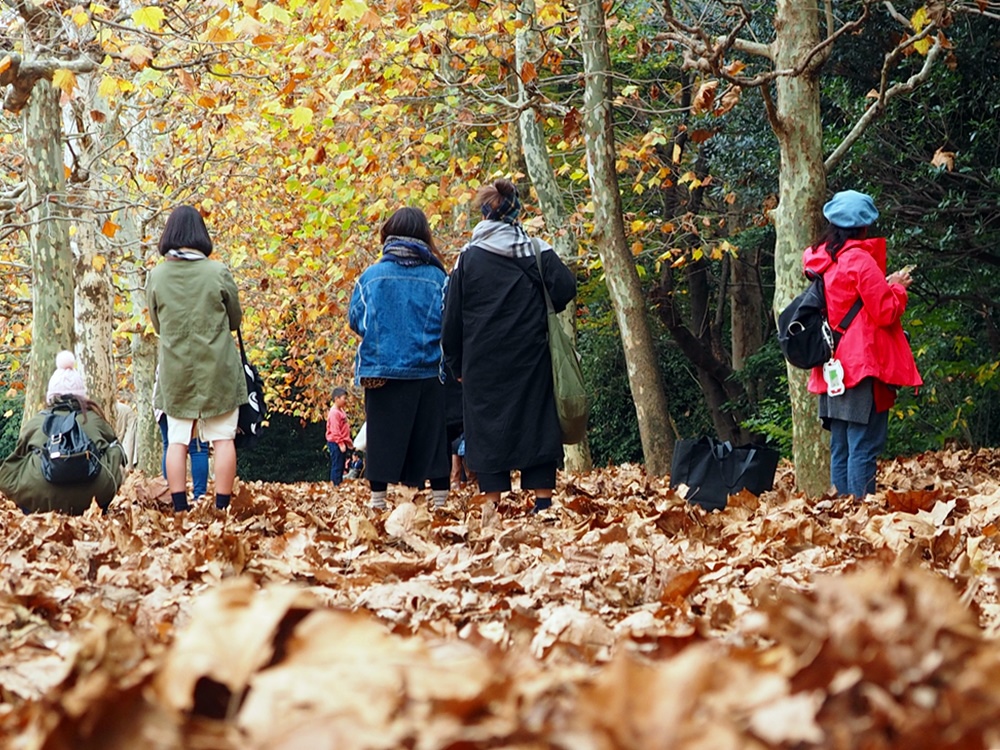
x: 194, y: 305
x: 21, y: 478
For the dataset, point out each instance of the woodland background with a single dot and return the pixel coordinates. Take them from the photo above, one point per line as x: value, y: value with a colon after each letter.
x: 679, y: 154
x: 298, y: 127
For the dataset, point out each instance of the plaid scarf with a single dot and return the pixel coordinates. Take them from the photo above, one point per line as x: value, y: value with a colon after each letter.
x: 507, y: 212
x: 408, y: 252
x: 502, y: 238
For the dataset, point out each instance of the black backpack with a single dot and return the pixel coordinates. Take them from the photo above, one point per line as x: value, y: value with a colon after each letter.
x: 69, y: 456
x: 804, y: 333
x: 252, y: 413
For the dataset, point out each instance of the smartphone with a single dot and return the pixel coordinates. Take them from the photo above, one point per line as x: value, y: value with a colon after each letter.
x: 908, y: 269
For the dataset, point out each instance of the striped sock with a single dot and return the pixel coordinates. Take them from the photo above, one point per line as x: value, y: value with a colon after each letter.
x: 440, y: 498
x: 378, y: 500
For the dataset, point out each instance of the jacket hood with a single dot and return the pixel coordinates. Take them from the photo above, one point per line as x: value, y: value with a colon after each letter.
x: 818, y: 260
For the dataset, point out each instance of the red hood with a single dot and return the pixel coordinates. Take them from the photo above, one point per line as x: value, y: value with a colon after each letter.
x: 818, y: 260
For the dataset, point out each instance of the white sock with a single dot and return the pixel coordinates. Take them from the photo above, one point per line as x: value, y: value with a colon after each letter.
x: 378, y: 500
x: 440, y: 498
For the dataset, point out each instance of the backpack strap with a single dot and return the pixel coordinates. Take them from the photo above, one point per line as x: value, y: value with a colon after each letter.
x: 855, y: 308
x: 851, y: 314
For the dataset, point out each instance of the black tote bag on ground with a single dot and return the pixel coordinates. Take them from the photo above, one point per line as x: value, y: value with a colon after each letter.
x: 713, y: 470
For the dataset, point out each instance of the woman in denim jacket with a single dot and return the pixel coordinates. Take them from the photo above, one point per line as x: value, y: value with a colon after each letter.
x: 396, y: 309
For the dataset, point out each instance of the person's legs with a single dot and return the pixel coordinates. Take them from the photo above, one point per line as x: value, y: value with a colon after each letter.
x: 492, y: 483
x: 334, y: 452
x: 163, y: 433
x: 379, y: 490
x: 866, y: 442
x: 839, y: 456
x: 220, y: 431
x: 176, y: 461
x: 225, y: 466
x: 337, y: 458
x: 198, y: 451
x: 439, y: 490
x: 542, y: 479
x: 178, y: 436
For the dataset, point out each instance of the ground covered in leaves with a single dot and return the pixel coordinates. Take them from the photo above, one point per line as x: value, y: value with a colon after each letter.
x: 626, y: 619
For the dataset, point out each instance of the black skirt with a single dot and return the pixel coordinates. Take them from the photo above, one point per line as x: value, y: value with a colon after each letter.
x: 407, y: 437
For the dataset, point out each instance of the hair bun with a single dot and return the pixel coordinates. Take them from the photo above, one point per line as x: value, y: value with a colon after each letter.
x: 65, y: 360
x: 505, y: 187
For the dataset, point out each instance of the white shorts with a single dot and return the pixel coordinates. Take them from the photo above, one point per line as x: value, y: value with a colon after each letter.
x: 210, y: 429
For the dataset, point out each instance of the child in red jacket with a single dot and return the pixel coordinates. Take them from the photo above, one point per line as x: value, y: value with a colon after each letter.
x: 338, y: 435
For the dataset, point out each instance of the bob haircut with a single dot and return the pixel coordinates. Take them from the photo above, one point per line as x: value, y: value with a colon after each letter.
x: 185, y: 228
x: 409, y: 222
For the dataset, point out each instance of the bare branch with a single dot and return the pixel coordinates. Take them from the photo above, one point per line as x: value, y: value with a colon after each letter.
x: 758, y: 49
x: 22, y: 75
x: 987, y: 10
x: 877, y: 108
x: 10, y: 197
x: 899, y: 17
x: 709, y: 54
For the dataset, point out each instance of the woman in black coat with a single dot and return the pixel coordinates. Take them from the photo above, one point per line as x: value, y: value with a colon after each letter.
x: 495, y: 341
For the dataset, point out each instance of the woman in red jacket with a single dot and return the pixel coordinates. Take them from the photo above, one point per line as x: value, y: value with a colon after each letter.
x: 873, y: 353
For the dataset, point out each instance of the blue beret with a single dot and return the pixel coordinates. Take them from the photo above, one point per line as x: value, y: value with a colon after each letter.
x: 849, y: 209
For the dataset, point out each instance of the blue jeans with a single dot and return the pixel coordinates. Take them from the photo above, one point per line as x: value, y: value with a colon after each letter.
x: 854, y: 449
x: 198, y: 453
x: 337, y: 458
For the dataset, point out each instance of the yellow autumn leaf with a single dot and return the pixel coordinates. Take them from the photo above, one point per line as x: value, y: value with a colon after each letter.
x: 64, y: 80
x: 301, y: 117
x: 80, y: 17
x: 352, y: 10
x: 110, y: 229
x: 99, y: 262
x: 697, y: 253
x: 919, y: 21
x: 638, y: 225
x: 275, y: 13
x: 108, y: 87
x: 676, y: 156
x: 149, y: 17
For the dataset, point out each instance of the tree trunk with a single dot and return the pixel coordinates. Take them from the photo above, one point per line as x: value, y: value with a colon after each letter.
x: 576, y: 458
x: 149, y: 444
x: 51, y: 255
x: 747, y: 303
x: 802, y: 181
x: 645, y: 379
x: 94, y: 301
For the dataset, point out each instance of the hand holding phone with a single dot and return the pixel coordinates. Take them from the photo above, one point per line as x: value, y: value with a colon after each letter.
x: 908, y: 269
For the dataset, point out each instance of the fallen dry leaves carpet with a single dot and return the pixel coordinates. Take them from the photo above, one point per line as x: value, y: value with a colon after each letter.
x: 627, y: 620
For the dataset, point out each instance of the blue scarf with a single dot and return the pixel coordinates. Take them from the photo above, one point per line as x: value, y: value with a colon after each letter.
x: 408, y: 252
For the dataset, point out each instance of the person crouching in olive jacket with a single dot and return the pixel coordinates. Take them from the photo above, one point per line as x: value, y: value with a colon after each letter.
x: 21, y: 477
